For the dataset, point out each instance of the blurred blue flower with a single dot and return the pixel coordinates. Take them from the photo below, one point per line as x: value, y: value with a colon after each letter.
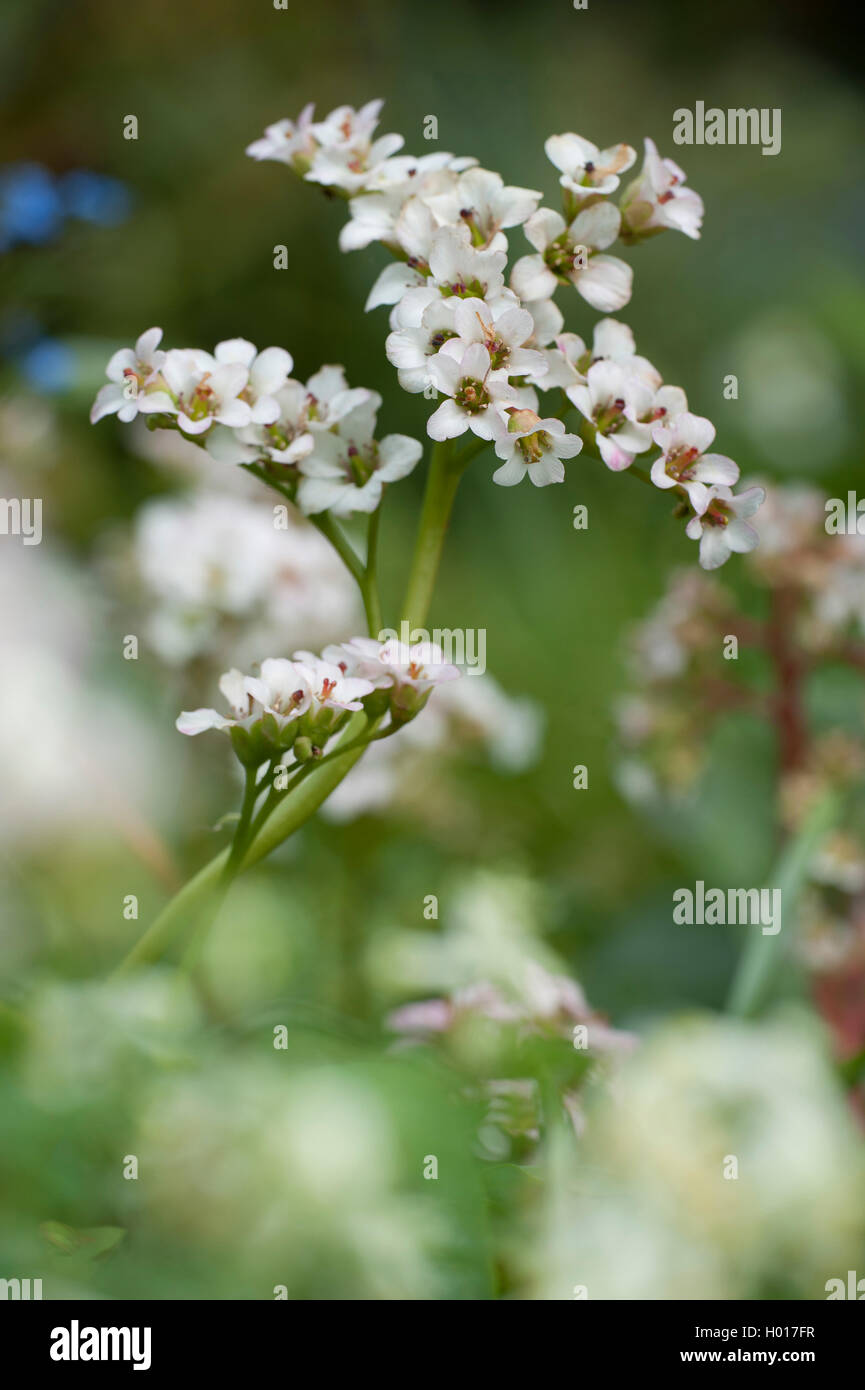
x: 48, y: 366
x: 31, y: 210
x: 95, y: 197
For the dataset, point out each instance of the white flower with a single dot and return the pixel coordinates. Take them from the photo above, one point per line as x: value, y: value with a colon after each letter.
x: 569, y: 254
x: 684, y: 461
x: 329, y: 398
x: 268, y: 373
x: 481, y: 201
x: 616, y: 403
x: 289, y: 142
x: 410, y: 346
x: 302, y: 412
x: 587, y: 171
x: 394, y: 663
x: 721, y: 528
x: 474, y: 391
x: 455, y: 268
x: 503, y: 328
x: 283, y: 691
x: 657, y: 198
x: 286, y: 440
x: 535, y: 447
x: 347, y: 157
x: 216, y: 571
x: 330, y: 686
x: 135, y: 384
x: 376, y: 213
x: 347, y: 470
x: 614, y: 341
x: 205, y: 391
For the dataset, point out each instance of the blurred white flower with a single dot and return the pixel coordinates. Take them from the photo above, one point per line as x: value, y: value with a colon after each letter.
x: 223, y: 576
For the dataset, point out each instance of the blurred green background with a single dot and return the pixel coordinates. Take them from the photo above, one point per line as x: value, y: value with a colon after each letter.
x: 774, y: 293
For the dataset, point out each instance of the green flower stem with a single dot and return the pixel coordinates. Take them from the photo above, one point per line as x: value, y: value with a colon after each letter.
x: 762, y: 954
x: 346, y: 552
x: 364, y: 576
x: 251, y: 792
x: 369, y: 583
x: 442, y: 482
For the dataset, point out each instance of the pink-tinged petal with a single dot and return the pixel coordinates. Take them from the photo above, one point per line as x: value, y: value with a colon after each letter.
x: 605, y: 283
x: 616, y: 458
x: 426, y: 1016
x: 448, y: 422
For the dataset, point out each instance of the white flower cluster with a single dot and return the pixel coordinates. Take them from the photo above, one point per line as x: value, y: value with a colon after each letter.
x: 299, y: 704
x: 462, y: 328
x: 246, y: 408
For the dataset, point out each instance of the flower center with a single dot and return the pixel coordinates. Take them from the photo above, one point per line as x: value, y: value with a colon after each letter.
x: 360, y: 465
x: 534, y: 446
x: 471, y: 395
x: 680, y: 463
x: 461, y: 288
x: 611, y: 416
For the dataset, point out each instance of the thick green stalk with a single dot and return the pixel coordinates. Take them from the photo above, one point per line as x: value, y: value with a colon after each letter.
x: 763, y: 954
x: 441, y: 489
